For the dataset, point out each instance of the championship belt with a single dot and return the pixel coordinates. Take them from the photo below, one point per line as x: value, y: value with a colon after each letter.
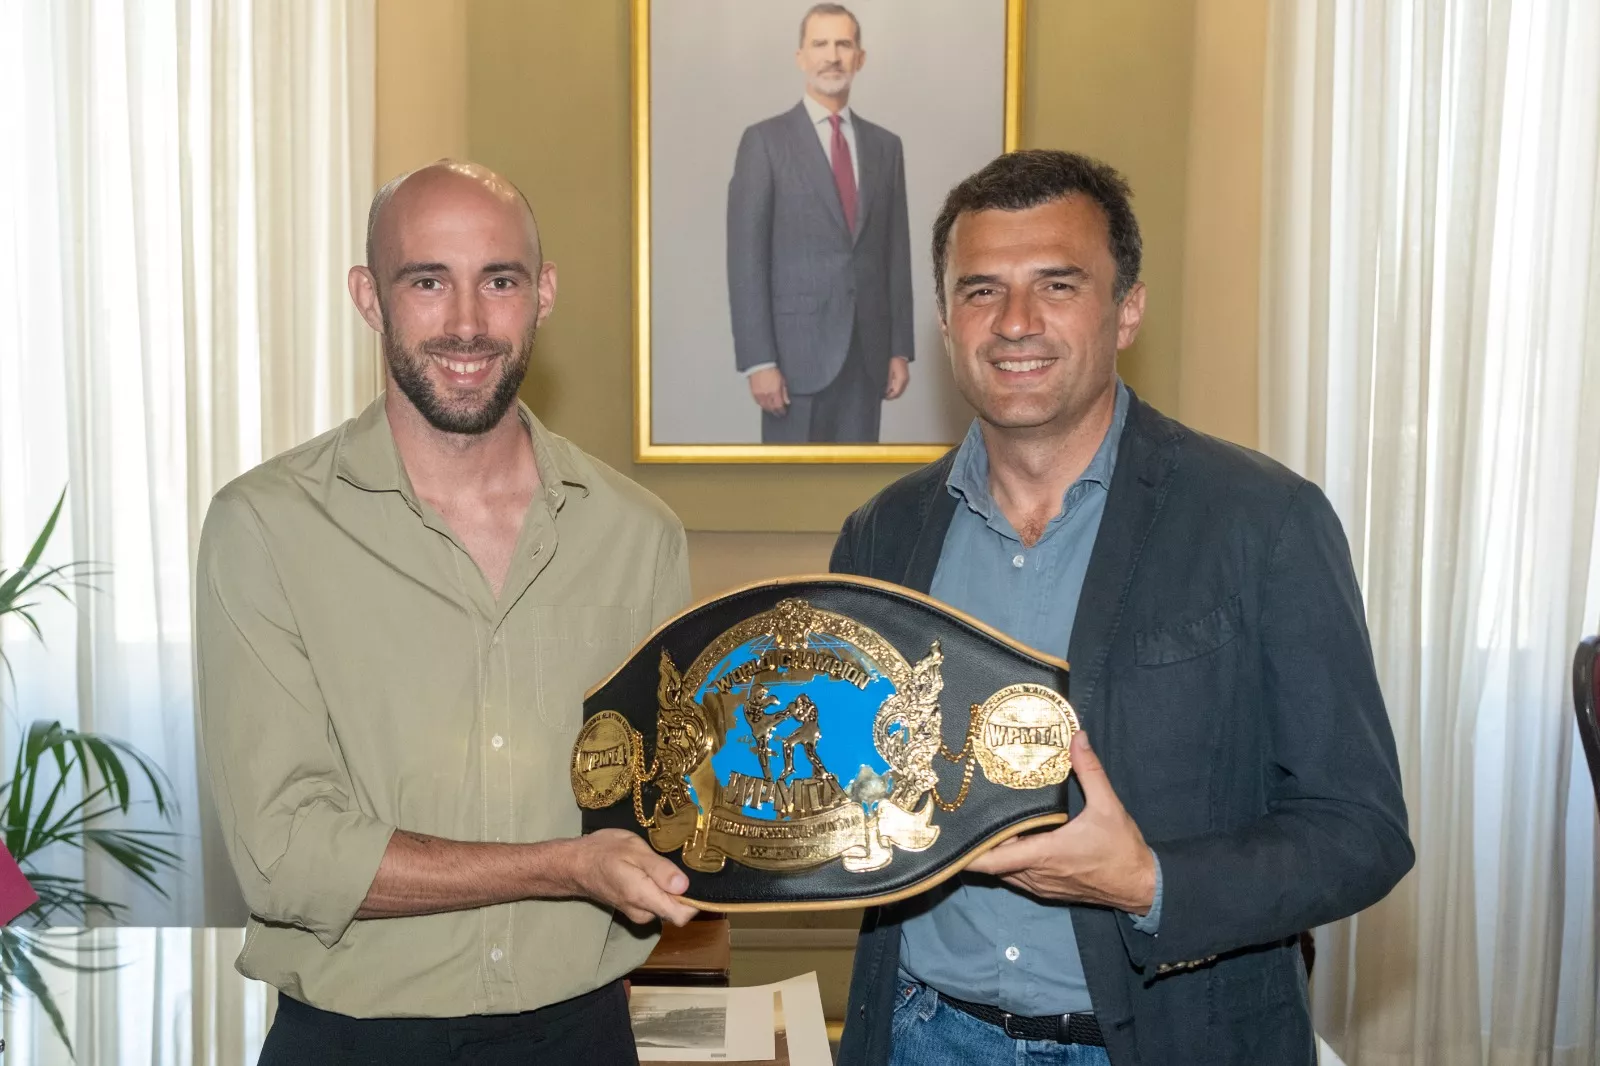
x: 824, y: 742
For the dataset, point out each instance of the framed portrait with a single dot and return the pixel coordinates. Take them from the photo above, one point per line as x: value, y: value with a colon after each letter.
x: 790, y: 158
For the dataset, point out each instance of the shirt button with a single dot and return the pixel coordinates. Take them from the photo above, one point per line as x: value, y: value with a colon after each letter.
x: 1012, y: 954
x: 1017, y: 561
x: 496, y: 955
x: 499, y: 638
x: 498, y: 741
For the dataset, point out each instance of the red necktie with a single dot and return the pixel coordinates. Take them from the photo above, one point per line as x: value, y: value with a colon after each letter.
x: 844, y: 175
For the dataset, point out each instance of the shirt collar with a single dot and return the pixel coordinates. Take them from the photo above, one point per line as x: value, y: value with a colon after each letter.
x: 969, y: 473
x: 369, y: 460
x: 819, y: 114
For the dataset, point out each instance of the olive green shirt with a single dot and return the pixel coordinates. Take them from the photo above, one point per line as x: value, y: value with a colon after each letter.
x: 357, y: 675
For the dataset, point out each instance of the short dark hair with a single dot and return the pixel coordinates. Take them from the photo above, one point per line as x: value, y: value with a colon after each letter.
x: 1017, y: 181
x: 829, y: 9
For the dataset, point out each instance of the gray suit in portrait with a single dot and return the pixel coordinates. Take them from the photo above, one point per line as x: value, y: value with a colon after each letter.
x: 827, y: 306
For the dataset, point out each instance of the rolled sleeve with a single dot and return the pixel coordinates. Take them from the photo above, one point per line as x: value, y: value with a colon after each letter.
x: 304, y: 852
x: 1149, y: 923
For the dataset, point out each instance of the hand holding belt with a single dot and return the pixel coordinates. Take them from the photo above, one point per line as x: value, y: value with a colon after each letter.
x: 788, y: 744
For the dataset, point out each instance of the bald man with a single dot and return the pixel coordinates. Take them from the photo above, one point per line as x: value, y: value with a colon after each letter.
x: 396, y: 623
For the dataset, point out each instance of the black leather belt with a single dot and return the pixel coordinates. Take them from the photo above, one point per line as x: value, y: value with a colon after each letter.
x: 1062, y: 1028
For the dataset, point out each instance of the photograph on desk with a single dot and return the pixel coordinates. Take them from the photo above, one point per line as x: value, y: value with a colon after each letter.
x: 779, y: 1024
x: 683, y: 1024
x: 789, y: 160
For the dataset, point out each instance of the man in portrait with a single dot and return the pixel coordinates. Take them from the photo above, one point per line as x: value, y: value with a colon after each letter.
x: 819, y: 253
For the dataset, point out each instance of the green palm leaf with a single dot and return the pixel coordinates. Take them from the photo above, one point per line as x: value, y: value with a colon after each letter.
x: 65, y: 790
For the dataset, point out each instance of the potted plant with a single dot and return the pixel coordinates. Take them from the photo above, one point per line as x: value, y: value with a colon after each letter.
x: 65, y: 789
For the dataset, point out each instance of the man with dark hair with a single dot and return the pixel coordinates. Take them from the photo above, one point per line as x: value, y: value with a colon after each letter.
x: 395, y: 625
x: 819, y: 253
x: 1243, y: 784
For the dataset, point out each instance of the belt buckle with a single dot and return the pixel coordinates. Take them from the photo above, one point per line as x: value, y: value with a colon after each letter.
x: 1005, y: 1024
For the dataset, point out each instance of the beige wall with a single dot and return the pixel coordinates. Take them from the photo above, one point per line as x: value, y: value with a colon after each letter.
x: 1216, y: 370
x: 422, y: 84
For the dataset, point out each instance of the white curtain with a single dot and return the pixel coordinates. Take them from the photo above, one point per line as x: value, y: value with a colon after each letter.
x: 1431, y: 355
x: 182, y: 188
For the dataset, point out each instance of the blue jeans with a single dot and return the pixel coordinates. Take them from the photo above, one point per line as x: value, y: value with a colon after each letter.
x: 926, y: 1032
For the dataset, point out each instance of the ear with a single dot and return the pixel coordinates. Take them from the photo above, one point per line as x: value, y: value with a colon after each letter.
x: 1130, y: 313
x: 861, y: 59
x: 364, y: 294
x: 547, y: 291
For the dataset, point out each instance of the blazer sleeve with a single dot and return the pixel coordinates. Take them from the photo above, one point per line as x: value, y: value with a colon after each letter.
x: 750, y: 208
x: 1334, y: 839
x: 902, y: 337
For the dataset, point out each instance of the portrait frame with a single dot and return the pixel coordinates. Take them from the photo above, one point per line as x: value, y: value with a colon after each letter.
x: 646, y: 448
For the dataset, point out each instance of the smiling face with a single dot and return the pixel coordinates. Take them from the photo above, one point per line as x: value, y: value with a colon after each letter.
x: 458, y: 291
x: 1032, y: 323
x: 829, y: 54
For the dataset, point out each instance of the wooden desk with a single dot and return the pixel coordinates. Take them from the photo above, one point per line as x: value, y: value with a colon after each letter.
x: 700, y: 953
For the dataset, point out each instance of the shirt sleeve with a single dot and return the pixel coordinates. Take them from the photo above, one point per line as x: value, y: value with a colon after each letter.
x: 303, y: 850
x: 1150, y: 923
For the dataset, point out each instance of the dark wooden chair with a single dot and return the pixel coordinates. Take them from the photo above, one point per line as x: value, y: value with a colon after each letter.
x: 1585, y: 698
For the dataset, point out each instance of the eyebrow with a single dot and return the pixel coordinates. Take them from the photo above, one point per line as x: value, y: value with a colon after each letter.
x: 1071, y: 272
x: 407, y: 269
x: 510, y: 266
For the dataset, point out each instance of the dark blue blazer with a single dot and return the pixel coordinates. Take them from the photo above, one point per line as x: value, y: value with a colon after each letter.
x: 1221, y: 665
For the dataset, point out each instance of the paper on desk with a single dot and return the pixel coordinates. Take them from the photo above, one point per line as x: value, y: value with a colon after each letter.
x: 776, y: 1023
x: 805, y: 1029
x: 672, y: 1024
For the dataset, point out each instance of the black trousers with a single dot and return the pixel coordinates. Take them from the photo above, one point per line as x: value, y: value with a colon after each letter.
x: 846, y: 411
x: 592, y: 1029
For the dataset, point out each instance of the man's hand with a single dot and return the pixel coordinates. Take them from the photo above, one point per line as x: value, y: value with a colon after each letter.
x: 899, y: 377
x: 770, y: 390
x: 617, y: 868
x: 1099, y: 857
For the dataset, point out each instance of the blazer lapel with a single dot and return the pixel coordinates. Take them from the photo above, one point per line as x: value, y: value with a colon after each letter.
x: 938, y: 508
x: 814, y: 169
x: 1146, y: 459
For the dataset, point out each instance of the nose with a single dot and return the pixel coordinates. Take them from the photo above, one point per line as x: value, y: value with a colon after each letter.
x: 1018, y: 317
x: 466, y: 314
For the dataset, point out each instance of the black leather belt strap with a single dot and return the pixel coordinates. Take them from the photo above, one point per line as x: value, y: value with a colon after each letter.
x: 1062, y: 1028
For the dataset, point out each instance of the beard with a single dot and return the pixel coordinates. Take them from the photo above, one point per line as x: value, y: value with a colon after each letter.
x: 409, y: 368
x: 831, y: 81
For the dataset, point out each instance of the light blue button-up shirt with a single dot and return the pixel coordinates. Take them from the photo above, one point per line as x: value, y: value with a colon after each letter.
x: 975, y: 937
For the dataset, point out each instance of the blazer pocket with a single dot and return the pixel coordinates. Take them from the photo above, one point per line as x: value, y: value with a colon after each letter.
x: 1190, y: 640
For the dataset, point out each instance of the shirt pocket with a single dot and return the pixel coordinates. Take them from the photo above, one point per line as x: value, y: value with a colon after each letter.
x: 575, y: 648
